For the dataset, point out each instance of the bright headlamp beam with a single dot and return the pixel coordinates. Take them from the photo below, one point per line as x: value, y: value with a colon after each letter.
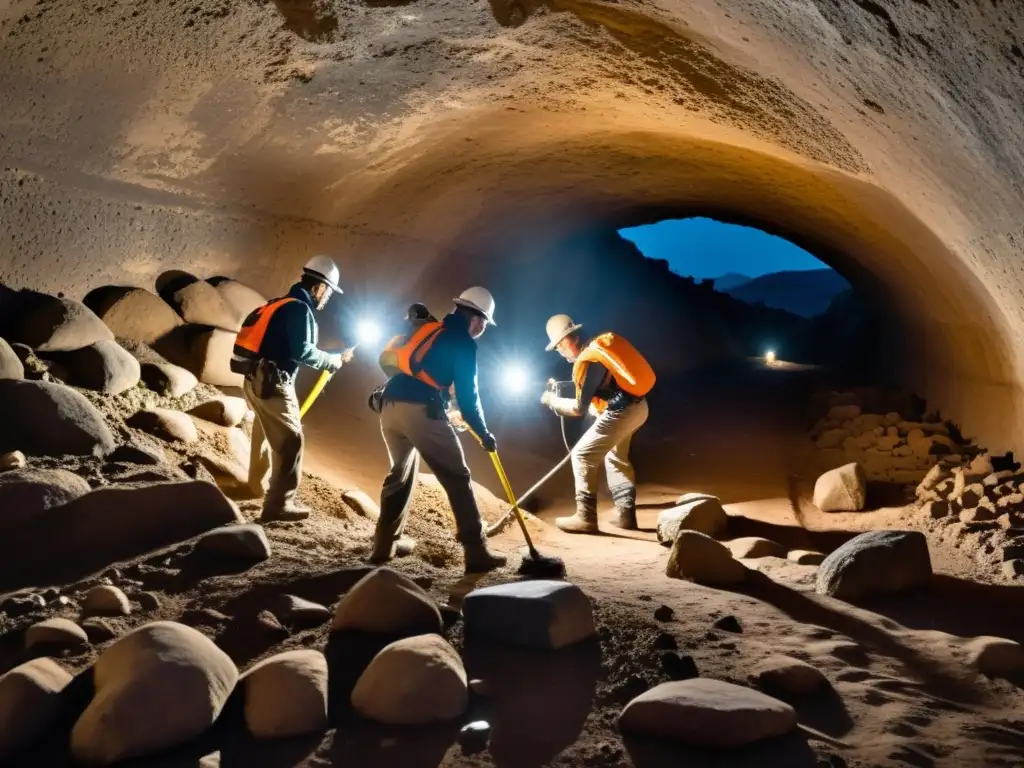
x: 368, y: 332
x: 515, y: 379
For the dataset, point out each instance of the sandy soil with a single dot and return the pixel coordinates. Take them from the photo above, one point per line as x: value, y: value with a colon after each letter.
x: 901, y: 694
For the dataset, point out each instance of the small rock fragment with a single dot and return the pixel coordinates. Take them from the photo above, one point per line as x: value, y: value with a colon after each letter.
x: 247, y: 541
x: 12, y: 460
x: 729, y: 624
x: 805, y: 557
x: 106, y: 601
x: 98, y: 631
x: 664, y: 613
x: 58, y: 632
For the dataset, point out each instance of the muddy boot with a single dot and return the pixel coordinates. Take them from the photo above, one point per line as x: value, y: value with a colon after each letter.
x: 289, y: 513
x: 585, y: 519
x: 625, y: 505
x: 479, y: 559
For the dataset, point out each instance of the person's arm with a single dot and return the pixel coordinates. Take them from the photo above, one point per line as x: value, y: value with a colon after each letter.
x: 300, y: 330
x: 576, y: 407
x: 467, y: 391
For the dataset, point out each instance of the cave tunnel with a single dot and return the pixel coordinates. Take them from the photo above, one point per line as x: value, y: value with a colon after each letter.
x: 430, y: 146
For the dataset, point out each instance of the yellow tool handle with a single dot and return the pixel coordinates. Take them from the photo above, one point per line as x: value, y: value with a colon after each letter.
x: 314, y: 393
x: 511, y: 497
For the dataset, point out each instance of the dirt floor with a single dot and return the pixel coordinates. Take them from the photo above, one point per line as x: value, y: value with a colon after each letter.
x: 900, y: 695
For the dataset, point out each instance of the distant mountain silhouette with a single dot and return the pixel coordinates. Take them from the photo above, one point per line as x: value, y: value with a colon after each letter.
x: 807, y: 293
x: 730, y: 280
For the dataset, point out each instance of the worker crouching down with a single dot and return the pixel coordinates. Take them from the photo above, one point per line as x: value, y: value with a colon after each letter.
x: 423, y: 364
x: 612, y: 379
x: 274, y: 341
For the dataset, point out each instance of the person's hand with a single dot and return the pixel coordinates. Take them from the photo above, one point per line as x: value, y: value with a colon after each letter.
x: 546, y: 398
x: 348, y: 354
x: 334, y: 363
x: 489, y: 443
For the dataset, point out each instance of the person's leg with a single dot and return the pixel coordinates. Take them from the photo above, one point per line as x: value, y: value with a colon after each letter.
x: 621, y: 476
x: 282, y: 424
x: 587, y: 456
x: 259, y: 451
x: 396, y: 491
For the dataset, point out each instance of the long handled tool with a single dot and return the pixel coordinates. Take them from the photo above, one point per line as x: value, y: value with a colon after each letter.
x: 534, y: 564
x: 314, y: 393
x: 495, y: 528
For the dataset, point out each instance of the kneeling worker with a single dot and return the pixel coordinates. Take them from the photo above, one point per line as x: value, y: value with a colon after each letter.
x: 430, y: 359
x: 274, y: 341
x: 612, y: 379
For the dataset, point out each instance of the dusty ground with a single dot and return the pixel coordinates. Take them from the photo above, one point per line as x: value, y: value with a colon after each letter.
x: 901, y: 695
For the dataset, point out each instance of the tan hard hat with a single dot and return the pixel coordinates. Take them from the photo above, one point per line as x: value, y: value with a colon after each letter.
x: 558, y: 327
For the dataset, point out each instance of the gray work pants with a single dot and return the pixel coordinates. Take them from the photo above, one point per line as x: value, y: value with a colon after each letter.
x: 608, y: 441
x: 278, y: 424
x: 409, y: 433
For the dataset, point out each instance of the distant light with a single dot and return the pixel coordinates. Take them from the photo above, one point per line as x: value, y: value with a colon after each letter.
x: 515, y: 379
x: 368, y: 332
x: 769, y: 356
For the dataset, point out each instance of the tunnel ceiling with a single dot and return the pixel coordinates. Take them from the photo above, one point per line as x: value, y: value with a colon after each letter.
x: 236, y: 136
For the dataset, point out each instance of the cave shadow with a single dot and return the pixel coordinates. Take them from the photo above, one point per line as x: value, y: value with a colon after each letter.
x: 791, y: 751
x: 789, y: 536
x: 53, y: 747
x: 823, y: 710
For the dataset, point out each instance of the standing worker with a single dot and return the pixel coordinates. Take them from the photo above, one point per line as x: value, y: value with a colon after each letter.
x: 430, y: 359
x: 611, y: 379
x: 274, y: 341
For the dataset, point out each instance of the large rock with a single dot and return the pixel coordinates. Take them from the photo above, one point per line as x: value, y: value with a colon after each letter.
x: 43, y: 419
x: 169, y: 425
x: 699, y: 558
x: 753, y: 547
x: 239, y: 297
x: 26, y: 493
x: 30, y: 702
x: 201, y: 304
x: 707, y: 713
x: 106, y: 600
x: 133, y: 313
x: 843, y: 489
x: 55, y: 632
x: 286, y: 695
x: 876, y: 562
x: 413, y: 681
x: 168, y: 379
x: 783, y: 675
x: 109, y: 525
x: 11, y: 366
x: 52, y: 324
x: 104, y: 367
x: 247, y: 541
x: 386, y: 602
x: 157, y: 687
x: 203, y: 350
x: 225, y: 411
x: 996, y: 657
x: 534, y: 613
x: 695, y: 512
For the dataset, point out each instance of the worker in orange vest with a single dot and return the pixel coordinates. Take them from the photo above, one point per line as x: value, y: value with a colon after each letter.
x: 612, y: 380
x: 275, y: 340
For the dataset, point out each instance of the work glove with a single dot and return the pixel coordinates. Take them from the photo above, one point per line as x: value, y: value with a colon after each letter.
x: 348, y: 354
x: 334, y: 363
x: 546, y: 398
x: 489, y: 443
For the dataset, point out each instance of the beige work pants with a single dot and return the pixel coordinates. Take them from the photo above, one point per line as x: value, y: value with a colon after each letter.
x: 409, y: 434
x: 278, y: 424
x: 608, y: 440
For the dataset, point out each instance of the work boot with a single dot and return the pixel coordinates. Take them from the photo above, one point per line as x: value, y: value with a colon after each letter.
x: 383, y: 552
x: 479, y: 559
x: 625, y: 505
x: 289, y: 513
x: 585, y: 519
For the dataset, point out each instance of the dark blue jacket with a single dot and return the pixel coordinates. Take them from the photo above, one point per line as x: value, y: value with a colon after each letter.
x: 292, y: 335
x: 451, y: 360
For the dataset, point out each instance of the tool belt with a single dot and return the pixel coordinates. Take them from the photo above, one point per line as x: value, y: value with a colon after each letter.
x: 622, y: 400
x: 435, y: 406
x: 376, y: 400
x: 268, y: 380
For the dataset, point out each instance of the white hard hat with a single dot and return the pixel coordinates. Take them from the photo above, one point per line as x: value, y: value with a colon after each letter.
x: 558, y: 327
x: 479, y: 299
x: 323, y: 268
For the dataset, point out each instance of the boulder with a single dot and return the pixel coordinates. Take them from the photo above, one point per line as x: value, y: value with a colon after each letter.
x: 753, y: 547
x: 133, y: 313
x: 361, y: 503
x: 26, y: 493
x: 199, y: 303
x: 30, y: 702
x: 532, y: 613
x: 843, y: 489
x: 782, y: 675
x: 247, y: 541
x: 225, y: 411
x: 707, y: 713
x: 43, y: 419
x: 414, y: 681
x: 155, y: 688
x: 699, y: 558
x: 106, y: 600
x: 239, y: 297
x: 286, y: 695
x: 204, y: 351
x: 386, y: 602
x: 11, y: 366
x: 52, y: 324
x: 12, y: 460
x: 109, y: 525
x: 805, y: 557
x: 104, y: 367
x: 704, y: 515
x: 876, y: 562
x: 290, y: 609
x: 168, y: 379
x: 62, y: 632
x: 169, y: 425
x: 996, y: 657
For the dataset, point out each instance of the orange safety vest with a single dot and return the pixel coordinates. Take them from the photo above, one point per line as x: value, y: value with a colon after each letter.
x: 249, y: 341
x: 406, y: 353
x: 627, y: 366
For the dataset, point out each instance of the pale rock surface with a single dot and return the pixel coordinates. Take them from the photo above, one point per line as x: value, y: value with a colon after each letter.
x: 533, y: 613
x: 29, y: 702
x: 12, y: 460
x: 876, y: 562
x: 785, y: 675
x: 104, y: 366
x: 753, y: 547
x: 28, y: 492
x: 225, y: 411
x: 699, y: 558
x: 414, y: 681
x: 239, y: 297
x: 286, y: 695
x: 292, y: 609
x: 53, y: 324
x: 133, y: 313
x: 805, y: 557
x: 996, y: 656
x: 46, y: 419
x: 106, y: 600
x: 389, y: 603
x: 843, y: 489
x: 707, y: 713
x: 204, y: 351
x: 248, y: 541
x: 361, y: 502
x: 169, y: 425
x: 55, y: 632
x: 199, y: 303
x: 157, y: 687
x: 168, y: 379
x: 11, y: 366
x: 703, y: 514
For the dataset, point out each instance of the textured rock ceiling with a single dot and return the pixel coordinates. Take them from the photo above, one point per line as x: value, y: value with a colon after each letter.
x: 885, y: 135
